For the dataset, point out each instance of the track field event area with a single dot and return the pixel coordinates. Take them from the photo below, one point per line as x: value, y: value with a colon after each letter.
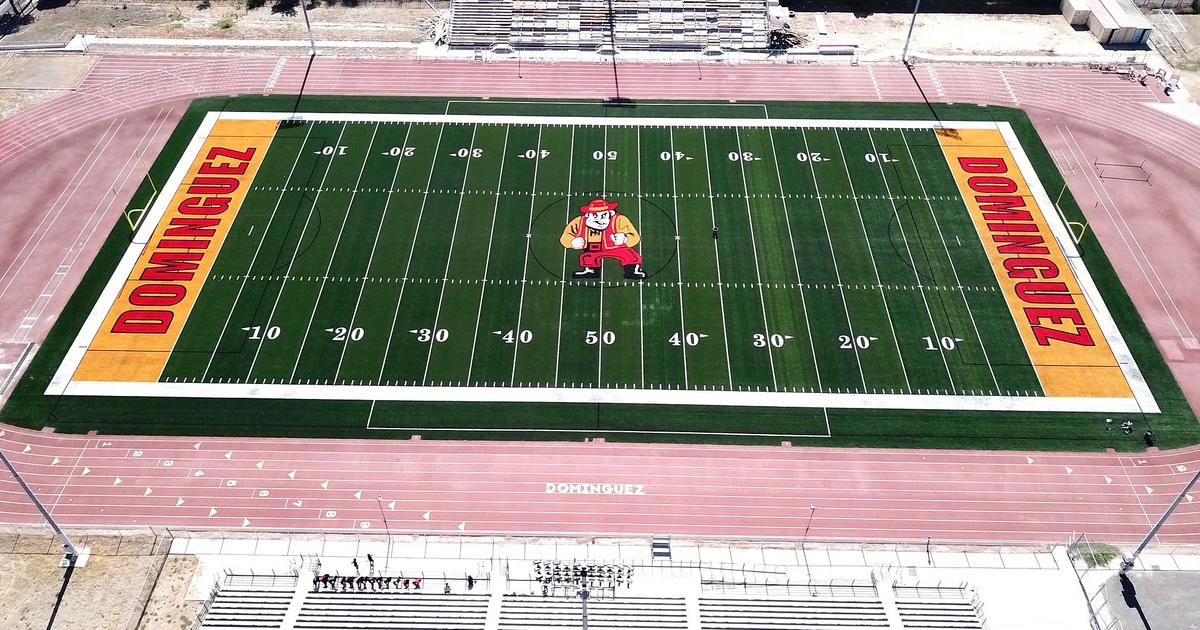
x: 686, y: 277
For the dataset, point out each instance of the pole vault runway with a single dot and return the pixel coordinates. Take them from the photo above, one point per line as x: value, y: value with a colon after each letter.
x: 596, y: 488
x: 127, y: 105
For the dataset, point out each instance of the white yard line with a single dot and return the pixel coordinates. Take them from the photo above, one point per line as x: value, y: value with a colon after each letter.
x: 462, y: 193
x: 795, y: 259
x: 916, y: 276
x: 874, y: 267
x: 257, y: 250
x: 562, y: 292
x: 757, y: 272
x: 299, y: 241
x: 679, y: 259
x: 641, y: 284
x: 833, y: 256
x: 717, y: 253
x: 333, y: 256
x: 488, y: 260
x: 374, y: 248
x: 413, y: 248
x: 953, y: 267
x: 600, y: 314
x: 533, y: 194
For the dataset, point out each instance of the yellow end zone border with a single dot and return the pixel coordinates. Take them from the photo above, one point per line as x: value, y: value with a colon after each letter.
x: 63, y: 383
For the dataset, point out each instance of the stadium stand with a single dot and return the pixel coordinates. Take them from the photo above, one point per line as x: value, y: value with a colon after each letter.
x: 792, y: 614
x: 249, y: 607
x: 542, y: 613
x: 597, y: 24
x: 394, y: 610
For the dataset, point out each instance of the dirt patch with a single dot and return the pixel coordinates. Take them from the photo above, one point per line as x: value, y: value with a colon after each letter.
x: 398, y: 21
x: 102, y: 594
x: 951, y: 34
x: 168, y: 608
x: 41, y: 71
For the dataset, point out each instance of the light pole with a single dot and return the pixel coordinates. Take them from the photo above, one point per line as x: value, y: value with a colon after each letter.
x: 812, y: 510
x: 904, y: 54
x: 583, y: 595
x: 311, y: 42
x: 386, y: 528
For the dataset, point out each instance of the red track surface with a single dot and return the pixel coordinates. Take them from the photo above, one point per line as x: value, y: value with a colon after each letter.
x: 127, y: 104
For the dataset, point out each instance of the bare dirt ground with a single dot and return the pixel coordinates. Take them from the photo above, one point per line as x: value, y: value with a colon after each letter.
x: 101, y: 595
x: 225, y: 19
x: 1183, y: 51
x: 951, y: 34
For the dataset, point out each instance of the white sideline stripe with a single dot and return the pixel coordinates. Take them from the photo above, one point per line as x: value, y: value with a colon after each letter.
x: 91, y: 326
x: 1062, y: 234
x: 579, y: 121
x: 593, y: 395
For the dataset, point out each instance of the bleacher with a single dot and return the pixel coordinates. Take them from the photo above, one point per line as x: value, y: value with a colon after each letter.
x: 531, y: 612
x: 842, y: 613
x: 631, y: 24
x: 249, y: 607
x: 393, y: 610
x: 942, y: 614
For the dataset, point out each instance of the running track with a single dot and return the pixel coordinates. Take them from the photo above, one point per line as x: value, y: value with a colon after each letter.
x: 127, y: 105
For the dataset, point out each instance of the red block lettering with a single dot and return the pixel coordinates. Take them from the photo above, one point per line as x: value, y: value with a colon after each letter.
x: 213, y: 185
x: 983, y: 164
x: 211, y: 205
x: 1080, y: 337
x: 223, y: 169
x: 192, y: 227
x: 989, y: 185
x: 143, y: 322
x: 1035, y: 315
x: 170, y: 243
x: 996, y: 208
x: 240, y: 156
x: 173, y: 266
x: 1044, y: 293
x: 1021, y: 244
x: 1013, y: 227
x: 157, y: 295
x: 1028, y: 268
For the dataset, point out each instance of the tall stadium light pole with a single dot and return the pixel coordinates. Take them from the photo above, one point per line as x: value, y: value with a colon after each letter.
x: 907, y: 40
x: 72, y: 552
x: 312, y: 42
x: 388, y: 529
x: 1127, y: 563
x: 583, y: 595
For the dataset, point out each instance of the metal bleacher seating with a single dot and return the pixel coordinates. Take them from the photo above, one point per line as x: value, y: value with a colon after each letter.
x: 530, y: 612
x: 329, y: 610
x: 248, y: 607
x: 627, y: 24
x: 842, y: 613
x: 944, y: 614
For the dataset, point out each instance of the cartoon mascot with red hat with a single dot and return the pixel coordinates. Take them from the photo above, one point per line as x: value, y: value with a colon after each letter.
x: 601, y: 232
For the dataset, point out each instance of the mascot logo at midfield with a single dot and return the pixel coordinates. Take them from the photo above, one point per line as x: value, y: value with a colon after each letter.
x: 601, y: 232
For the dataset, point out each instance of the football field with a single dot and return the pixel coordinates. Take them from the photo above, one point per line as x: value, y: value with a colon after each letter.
x: 789, y: 263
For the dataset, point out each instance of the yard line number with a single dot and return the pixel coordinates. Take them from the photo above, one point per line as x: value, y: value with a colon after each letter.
x: 743, y: 156
x: 425, y: 335
x: 256, y: 332
x: 691, y: 339
x: 400, y: 151
x: 946, y: 343
x: 846, y: 342
x: 604, y: 155
x: 512, y: 336
x: 608, y: 337
x: 880, y: 157
x: 811, y: 156
x: 533, y: 154
x: 465, y: 152
x: 331, y: 150
x: 341, y: 333
x: 776, y: 340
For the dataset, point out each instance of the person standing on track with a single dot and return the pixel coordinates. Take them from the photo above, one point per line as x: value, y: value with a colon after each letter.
x: 601, y: 232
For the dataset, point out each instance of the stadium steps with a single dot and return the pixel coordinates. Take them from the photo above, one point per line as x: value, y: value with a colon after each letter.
x: 251, y: 607
x: 792, y: 614
x: 402, y: 611
x: 939, y: 614
x: 539, y: 613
